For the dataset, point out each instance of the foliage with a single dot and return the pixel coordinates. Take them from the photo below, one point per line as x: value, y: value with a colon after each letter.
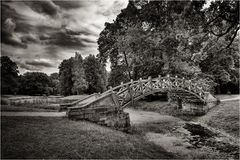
x: 34, y: 83
x: 65, y: 77
x: 117, y: 75
x: 95, y: 74
x: 9, y: 76
x: 55, y: 83
x: 152, y: 38
x: 175, y: 37
x: 78, y: 75
x: 223, y: 20
x: 54, y: 76
x: 223, y: 65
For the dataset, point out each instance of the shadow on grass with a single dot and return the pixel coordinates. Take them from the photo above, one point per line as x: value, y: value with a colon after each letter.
x: 59, y: 138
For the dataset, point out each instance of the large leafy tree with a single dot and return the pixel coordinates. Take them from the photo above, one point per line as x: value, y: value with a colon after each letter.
x: 35, y: 83
x: 223, y: 65
x: 176, y: 37
x: 96, y: 75
x: 153, y: 38
x: 65, y: 77
x: 78, y: 75
x: 9, y: 76
x: 223, y: 20
x: 55, y: 83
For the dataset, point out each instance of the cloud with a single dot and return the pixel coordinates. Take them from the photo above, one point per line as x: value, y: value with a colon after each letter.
x: 38, y: 34
x: 72, y: 5
x: 62, y: 38
x: 30, y: 38
x: 40, y: 63
x: 9, y: 36
x: 46, y: 7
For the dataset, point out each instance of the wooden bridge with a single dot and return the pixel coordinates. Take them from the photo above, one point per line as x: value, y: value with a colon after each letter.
x: 191, y: 91
x: 115, y: 99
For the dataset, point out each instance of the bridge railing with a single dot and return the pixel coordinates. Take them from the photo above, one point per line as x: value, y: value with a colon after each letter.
x: 134, y: 89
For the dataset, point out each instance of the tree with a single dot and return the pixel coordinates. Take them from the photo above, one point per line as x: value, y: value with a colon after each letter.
x: 78, y: 75
x: 54, y: 76
x: 223, y: 65
x: 55, y: 83
x: 65, y: 77
x: 153, y: 38
x: 95, y: 74
x: 174, y: 37
x: 117, y: 76
x: 9, y: 76
x: 223, y: 20
x: 34, y: 83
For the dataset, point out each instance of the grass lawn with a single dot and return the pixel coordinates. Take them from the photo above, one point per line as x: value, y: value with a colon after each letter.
x: 226, y: 96
x: 225, y: 117
x: 60, y: 138
x: 72, y: 98
x: 31, y: 104
x: 30, y: 108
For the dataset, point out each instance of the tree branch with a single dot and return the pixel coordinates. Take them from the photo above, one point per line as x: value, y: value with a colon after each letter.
x: 214, y: 19
x: 235, y: 34
x: 222, y: 34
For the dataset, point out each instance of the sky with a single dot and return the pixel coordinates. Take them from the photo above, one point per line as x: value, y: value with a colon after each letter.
x: 38, y: 35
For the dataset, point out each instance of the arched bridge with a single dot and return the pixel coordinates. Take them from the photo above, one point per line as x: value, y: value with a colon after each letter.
x: 188, y: 90
x: 107, y: 108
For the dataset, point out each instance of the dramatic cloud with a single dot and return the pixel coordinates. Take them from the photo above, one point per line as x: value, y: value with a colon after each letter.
x: 38, y: 35
x: 8, y: 27
x: 45, y: 7
x: 40, y: 62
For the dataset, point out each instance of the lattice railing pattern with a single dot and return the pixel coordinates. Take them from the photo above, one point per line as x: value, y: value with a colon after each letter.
x: 134, y: 90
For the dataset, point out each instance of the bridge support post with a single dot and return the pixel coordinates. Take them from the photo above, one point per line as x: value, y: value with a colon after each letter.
x: 150, y: 82
x: 159, y: 81
x: 141, y: 85
x: 131, y: 93
x: 179, y: 103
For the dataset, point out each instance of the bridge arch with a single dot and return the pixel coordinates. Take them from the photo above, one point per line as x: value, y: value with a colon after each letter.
x: 107, y: 108
x: 188, y: 90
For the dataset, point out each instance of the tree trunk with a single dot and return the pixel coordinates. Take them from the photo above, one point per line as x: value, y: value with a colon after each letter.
x: 128, y: 69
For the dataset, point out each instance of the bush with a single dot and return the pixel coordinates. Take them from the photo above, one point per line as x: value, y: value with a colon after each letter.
x: 5, y: 101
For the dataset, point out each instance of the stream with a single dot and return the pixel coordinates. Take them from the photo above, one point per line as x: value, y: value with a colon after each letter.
x: 198, y: 135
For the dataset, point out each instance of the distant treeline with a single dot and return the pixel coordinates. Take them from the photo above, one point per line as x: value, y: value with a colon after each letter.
x: 76, y: 76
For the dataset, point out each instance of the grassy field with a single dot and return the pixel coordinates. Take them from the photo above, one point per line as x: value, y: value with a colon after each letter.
x: 225, y: 117
x: 59, y: 138
x: 29, y: 108
x: 18, y: 103
x: 74, y: 97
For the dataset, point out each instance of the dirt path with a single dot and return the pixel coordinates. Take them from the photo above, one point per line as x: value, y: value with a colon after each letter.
x: 230, y: 99
x: 136, y: 116
x: 224, y: 98
x: 35, y: 114
x: 139, y: 117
